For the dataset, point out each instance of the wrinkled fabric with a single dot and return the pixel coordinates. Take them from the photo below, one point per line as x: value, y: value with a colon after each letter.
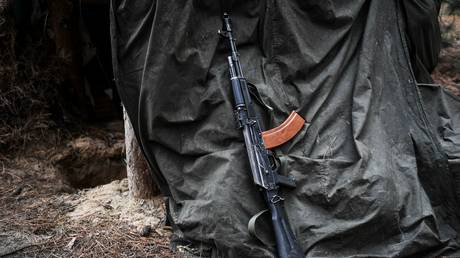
x: 423, y: 34
x: 375, y: 176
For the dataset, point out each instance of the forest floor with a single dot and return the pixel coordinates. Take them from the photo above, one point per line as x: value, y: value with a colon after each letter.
x: 447, y: 72
x: 44, y: 214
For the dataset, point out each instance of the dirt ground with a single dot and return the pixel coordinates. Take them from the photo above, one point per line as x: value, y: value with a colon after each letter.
x: 447, y: 72
x: 43, y: 214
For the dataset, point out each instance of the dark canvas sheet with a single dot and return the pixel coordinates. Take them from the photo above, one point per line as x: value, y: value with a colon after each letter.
x: 372, y: 162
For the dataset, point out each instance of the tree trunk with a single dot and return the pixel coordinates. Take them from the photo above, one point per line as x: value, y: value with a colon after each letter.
x: 63, y: 21
x: 140, y: 181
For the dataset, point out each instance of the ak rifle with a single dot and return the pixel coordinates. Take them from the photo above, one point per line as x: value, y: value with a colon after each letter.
x: 258, y: 144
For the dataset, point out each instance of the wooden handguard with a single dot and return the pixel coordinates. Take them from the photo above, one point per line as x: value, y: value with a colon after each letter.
x: 284, y: 132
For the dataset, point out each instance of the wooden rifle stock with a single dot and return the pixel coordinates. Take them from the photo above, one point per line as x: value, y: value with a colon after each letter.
x: 284, y: 132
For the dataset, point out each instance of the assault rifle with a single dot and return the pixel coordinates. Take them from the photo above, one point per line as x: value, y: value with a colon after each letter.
x: 262, y: 161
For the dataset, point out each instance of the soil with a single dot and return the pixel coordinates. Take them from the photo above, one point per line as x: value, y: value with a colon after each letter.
x: 50, y: 208
x: 447, y: 72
